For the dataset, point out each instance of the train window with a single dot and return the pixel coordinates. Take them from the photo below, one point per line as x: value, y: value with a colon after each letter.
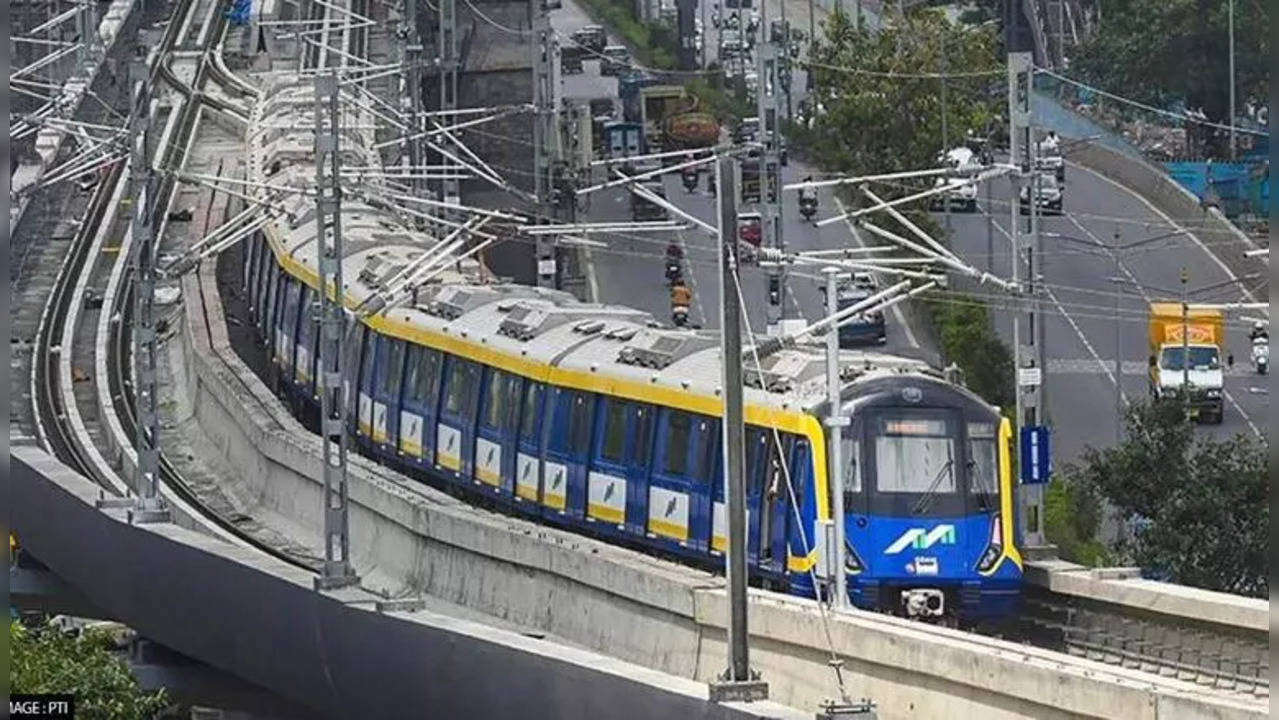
x: 679, y: 427
x: 392, y: 367
x: 850, y: 448
x: 644, y: 435
x: 914, y: 455
x: 529, y: 419
x: 579, y: 423
x: 614, y: 442
x: 371, y: 342
x: 456, y: 394
x: 495, y: 404
x: 306, y: 330
x: 419, y: 373
x: 982, y: 451
x: 706, y: 462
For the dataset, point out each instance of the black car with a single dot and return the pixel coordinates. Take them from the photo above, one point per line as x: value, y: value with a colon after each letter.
x: 863, y: 327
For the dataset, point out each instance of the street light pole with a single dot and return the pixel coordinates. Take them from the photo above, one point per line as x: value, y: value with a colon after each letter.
x: 1230, y: 14
x: 1185, y: 342
x: 1119, y: 354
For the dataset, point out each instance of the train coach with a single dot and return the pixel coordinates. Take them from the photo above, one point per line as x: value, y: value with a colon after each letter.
x: 597, y: 419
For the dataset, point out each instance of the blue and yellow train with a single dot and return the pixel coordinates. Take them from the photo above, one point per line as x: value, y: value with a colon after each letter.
x: 595, y: 418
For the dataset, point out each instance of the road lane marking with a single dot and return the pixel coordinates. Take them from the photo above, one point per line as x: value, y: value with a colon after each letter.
x: 1146, y: 296
x: 1105, y: 366
x: 896, y: 308
x: 1176, y: 225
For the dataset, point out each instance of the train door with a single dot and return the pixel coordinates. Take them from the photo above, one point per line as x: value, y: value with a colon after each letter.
x: 269, y: 320
x: 353, y: 350
x: 619, y: 464
x: 528, y: 459
x: 364, y: 390
x: 266, y: 278
x: 801, y: 549
x: 679, y: 485
x: 251, y: 254
x: 568, y: 446
x: 495, y: 435
x: 388, y: 372
x: 756, y: 449
x: 303, y: 366
x: 455, y: 431
x: 287, y: 335
x: 856, y: 499
x: 775, y: 514
x: 417, y: 414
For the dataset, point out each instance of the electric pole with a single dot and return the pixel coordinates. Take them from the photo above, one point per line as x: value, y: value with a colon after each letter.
x: 835, y: 423
x: 1030, y: 372
x: 148, y: 506
x: 449, y: 191
x: 545, y: 135
x: 413, y: 64
x: 337, y: 570
x: 738, y: 683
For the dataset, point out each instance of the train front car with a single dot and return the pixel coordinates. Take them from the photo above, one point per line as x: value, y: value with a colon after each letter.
x: 928, y: 501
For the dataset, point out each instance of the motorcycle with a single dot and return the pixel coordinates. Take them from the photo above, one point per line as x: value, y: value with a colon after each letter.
x: 808, y: 208
x: 1261, y: 354
x: 679, y: 315
x: 690, y: 180
x: 673, y: 271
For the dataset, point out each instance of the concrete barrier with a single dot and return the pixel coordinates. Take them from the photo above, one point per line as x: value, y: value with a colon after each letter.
x: 1212, y: 229
x: 628, y: 605
x: 333, y: 654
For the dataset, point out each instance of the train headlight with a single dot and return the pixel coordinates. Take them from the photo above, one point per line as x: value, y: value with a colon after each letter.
x: 994, y: 549
x: 852, y: 563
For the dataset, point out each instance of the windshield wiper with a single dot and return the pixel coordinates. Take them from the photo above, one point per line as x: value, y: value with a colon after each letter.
x: 923, y: 502
x: 983, y: 499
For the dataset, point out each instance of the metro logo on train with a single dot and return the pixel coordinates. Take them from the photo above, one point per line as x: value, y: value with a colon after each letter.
x: 921, y: 540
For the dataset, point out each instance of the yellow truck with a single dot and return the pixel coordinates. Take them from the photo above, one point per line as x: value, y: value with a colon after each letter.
x: 1188, y: 348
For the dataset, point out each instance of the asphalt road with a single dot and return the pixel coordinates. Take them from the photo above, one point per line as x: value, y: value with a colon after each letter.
x: 1079, y: 319
x: 1080, y: 297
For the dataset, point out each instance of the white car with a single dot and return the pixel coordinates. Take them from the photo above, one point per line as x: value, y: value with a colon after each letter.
x: 1048, y: 157
x: 961, y: 193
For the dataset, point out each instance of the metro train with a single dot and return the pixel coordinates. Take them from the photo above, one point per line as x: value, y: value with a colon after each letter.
x: 598, y: 419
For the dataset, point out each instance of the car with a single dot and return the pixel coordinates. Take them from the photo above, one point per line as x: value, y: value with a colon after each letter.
x: 643, y: 209
x: 616, y: 58
x: 750, y: 228
x: 591, y: 37
x: 1048, y: 158
x: 1048, y: 194
x: 861, y: 327
x: 962, y: 194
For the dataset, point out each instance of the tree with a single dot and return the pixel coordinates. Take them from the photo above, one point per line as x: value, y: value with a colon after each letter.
x: 1169, y: 53
x: 879, y: 114
x: 1200, y: 506
x: 47, y: 660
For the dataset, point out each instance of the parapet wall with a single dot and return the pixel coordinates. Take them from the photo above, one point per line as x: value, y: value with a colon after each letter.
x: 664, y: 616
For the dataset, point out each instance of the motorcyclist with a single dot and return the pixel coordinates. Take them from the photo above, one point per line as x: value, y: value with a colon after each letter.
x: 681, y: 298
x: 674, y: 258
x: 1259, y: 331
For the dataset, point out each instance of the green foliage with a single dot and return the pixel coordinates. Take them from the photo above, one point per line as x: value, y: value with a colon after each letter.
x: 720, y: 99
x: 890, y: 123
x: 1165, y: 52
x: 1200, y: 505
x: 46, y: 660
x: 1072, y: 516
x: 967, y: 339
x: 654, y: 46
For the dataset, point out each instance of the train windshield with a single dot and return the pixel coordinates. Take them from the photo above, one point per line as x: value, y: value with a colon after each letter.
x: 917, y: 463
